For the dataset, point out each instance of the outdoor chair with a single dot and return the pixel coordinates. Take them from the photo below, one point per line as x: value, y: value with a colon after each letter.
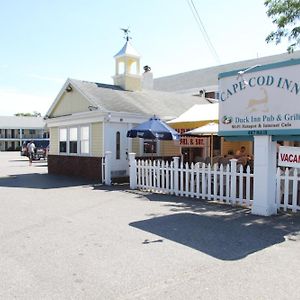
x: 224, y: 161
x: 207, y: 160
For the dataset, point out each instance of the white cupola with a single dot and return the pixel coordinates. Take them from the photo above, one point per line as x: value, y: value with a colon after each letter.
x: 127, y: 62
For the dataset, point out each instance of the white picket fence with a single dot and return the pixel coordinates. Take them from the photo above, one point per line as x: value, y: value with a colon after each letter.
x: 229, y: 184
x: 288, y: 189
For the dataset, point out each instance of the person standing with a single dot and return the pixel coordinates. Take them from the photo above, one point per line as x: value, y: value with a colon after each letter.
x: 31, y: 151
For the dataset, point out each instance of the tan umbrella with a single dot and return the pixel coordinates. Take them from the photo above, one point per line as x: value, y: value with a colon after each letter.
x: 209, y: 129
x: 198, y: 113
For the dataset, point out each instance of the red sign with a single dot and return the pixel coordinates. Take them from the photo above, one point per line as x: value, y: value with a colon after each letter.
x: 190, y: 141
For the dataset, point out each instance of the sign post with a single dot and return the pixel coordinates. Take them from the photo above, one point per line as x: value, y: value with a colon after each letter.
x: 264, y: 176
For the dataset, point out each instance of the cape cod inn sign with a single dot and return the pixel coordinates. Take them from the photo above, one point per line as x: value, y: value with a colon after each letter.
x: 263, y: 102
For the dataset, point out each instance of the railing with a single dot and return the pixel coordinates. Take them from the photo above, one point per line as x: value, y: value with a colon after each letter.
x: 288, y: 189
x: 228, y: 184
x: 24, y: 137
x: 32, y: 136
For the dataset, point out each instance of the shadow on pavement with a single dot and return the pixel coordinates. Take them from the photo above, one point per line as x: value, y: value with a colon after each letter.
x: 111, y: 188
x: 19, y: 160
x: 231, y: 236
x: 183, y: 204
x: 41, y: 181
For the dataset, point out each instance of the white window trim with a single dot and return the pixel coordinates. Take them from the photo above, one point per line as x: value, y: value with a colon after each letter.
x: 69, y: 140
x: 89, y: 140
x: 62, y: 153
x: 78, y: 140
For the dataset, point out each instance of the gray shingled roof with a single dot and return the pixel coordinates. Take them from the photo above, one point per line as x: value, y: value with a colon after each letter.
x: 112, y: 98
x: 189, y: 81
x: 13, y: 122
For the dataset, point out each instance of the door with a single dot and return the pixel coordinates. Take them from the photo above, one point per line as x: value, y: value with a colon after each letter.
x: 116, y: 141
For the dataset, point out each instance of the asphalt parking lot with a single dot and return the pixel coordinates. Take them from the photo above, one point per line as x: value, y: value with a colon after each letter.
x: 64, y: 238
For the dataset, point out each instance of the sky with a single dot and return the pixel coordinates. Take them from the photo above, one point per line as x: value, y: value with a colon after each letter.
x: 44, y: 42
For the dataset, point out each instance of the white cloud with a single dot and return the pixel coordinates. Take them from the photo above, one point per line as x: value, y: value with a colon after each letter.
x: 14, y: 101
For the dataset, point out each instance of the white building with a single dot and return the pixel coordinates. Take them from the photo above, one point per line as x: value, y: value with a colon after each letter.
x: 15, y: 130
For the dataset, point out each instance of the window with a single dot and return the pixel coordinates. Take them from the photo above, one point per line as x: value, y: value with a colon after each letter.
x: 31, y: 131
x: 73, y: 140
x: 150, y: 146
x: 63, y: 140
x: 118, y: 145
x: 121, y: 68
x: 85, y: 140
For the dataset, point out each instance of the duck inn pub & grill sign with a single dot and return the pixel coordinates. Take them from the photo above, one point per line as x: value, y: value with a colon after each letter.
x: 262, y: 101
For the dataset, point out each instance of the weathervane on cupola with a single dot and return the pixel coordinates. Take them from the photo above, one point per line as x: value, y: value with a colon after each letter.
x: 127, y: 63
x: 126, y: 33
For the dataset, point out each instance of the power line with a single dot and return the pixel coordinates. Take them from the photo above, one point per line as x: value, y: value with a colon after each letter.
x: 203, y: 30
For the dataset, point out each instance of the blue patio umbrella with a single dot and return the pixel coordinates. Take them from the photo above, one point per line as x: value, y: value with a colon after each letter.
x: 153, y: 129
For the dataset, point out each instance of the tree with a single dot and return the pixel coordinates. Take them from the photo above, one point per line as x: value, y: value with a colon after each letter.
x: 286, y: 15
x: 36, y: 114
x: 33, y: 114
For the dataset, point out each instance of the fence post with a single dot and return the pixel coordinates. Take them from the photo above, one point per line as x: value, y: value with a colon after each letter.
x: 132, y: 171
x: 264, y: 176
x: 108, y: 167
x: 176, y: 175
x: 233, y: 163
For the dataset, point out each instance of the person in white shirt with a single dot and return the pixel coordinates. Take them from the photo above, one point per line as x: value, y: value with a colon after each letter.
x: 30, y: 150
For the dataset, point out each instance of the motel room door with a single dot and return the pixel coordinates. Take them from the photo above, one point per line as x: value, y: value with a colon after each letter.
x: 116, y: 141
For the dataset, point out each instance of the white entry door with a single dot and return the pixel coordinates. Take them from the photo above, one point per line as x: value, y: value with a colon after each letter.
x: 116, y: 141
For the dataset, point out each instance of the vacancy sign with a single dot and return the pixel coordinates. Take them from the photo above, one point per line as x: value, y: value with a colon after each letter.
x: 289, y: 157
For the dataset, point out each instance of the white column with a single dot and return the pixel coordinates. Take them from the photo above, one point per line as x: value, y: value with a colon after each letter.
x: 138, y: 67
x: 108, y: 167
x: 132, y: 171
x: 20, y: 137
x: 117, y: 67
x: 264, y: 176
x: 176, y: 175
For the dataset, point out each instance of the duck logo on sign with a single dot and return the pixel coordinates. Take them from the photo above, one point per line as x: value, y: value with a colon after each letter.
x: 226, y: 120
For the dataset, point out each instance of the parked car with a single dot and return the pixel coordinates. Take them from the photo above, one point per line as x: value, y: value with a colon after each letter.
x: 41, y: 149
